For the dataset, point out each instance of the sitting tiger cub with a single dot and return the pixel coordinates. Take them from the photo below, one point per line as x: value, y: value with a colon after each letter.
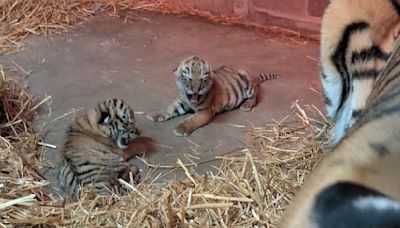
x: 96, y: 149
x: 208, y: 93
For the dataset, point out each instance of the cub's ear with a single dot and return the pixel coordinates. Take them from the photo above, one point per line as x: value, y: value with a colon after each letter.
x: 396, y: 31
x: 105, y: 118
x: 174, y: 71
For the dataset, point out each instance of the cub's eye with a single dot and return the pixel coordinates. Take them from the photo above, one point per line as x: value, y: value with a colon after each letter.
x: 186, y: 78
x: 204, y: 79
x: 185, y: 71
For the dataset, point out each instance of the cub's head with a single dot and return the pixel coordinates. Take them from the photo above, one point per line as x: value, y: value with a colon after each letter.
x: 193, y: 78
x: 114, y: 119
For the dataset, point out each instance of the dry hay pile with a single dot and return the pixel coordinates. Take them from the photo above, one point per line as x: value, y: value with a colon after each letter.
x: 20, y: 18
x: 20, y: 183
x: 250, y: 188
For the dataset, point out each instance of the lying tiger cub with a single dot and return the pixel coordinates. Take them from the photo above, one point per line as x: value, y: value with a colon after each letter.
x: 208, y: 93
x: 96, y: 149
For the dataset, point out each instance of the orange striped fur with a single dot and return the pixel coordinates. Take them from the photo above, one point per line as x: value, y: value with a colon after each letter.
x: 208, y: 93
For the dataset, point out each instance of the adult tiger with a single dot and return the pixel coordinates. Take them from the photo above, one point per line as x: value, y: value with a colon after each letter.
x: 358, y: 184
x: 208, y: 93
x: 357, y: 39
x: 96, y: 149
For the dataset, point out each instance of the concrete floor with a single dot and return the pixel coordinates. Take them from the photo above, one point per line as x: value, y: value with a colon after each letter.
x: 133, y: 59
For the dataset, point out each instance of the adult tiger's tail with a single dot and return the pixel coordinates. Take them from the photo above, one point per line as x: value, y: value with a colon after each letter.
x: 264, y: 77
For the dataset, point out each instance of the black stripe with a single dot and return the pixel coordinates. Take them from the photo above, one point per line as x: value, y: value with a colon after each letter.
x: 365, y: 74
x: 176, y: 112
x: 228, y: 94
x: 387, y: 80
x: 379, y: 148
x: 339, y: 57
x: 67, y: 171
x: 119, y: 118
x: 327, y: 100
x: 321, y: 70
x: 388, y: 96
x: 241, y: 91
x: 245, y: 79
x: 356, y: 113
x: 71, y: 180
x: 235, y: 92
x: 183, y: 107
x: 396, y: 6
x: 95, y: 169
x: 366, y: 54
x: 103, y: 116
x: 239, y: 84
x: 92, y: 177
x: 67, y: 166
x: 379, y: 104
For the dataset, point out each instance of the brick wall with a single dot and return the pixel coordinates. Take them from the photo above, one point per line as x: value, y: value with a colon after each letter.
x: 295, y: 14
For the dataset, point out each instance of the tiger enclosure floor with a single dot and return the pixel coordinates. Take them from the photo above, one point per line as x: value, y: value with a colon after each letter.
x: 132, y: 58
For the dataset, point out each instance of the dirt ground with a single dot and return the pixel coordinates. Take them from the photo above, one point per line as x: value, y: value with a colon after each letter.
x: 132, y: 58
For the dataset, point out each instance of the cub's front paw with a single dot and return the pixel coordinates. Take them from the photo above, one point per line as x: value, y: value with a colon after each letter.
x: 182, y: 130
x: 158, y: 116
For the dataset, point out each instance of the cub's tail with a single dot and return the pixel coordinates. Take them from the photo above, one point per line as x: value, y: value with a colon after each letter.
x: 264, y: 77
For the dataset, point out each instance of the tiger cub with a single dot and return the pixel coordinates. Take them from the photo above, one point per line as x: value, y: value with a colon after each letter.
x: 96, y: 149
x: 356, y: 41
x: 208, y: 93
x: 357, y: 185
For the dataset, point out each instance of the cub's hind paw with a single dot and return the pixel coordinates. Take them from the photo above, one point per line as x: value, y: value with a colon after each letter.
x: 158, y: 116
x: 181, y: 130
x: 135, y: 174
x: 247, y: 105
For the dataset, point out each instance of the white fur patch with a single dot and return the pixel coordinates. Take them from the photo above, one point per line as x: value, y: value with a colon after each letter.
x: 332, y: 86
x: 362, y: 90
x: 342, y: 122
x: 378, y: 203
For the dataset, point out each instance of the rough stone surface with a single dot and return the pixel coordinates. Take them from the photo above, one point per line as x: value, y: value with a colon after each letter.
x: 241, y: 7
x: 133, y: 59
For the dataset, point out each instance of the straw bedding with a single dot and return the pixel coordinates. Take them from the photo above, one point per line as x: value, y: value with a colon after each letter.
x: 250, y: 188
